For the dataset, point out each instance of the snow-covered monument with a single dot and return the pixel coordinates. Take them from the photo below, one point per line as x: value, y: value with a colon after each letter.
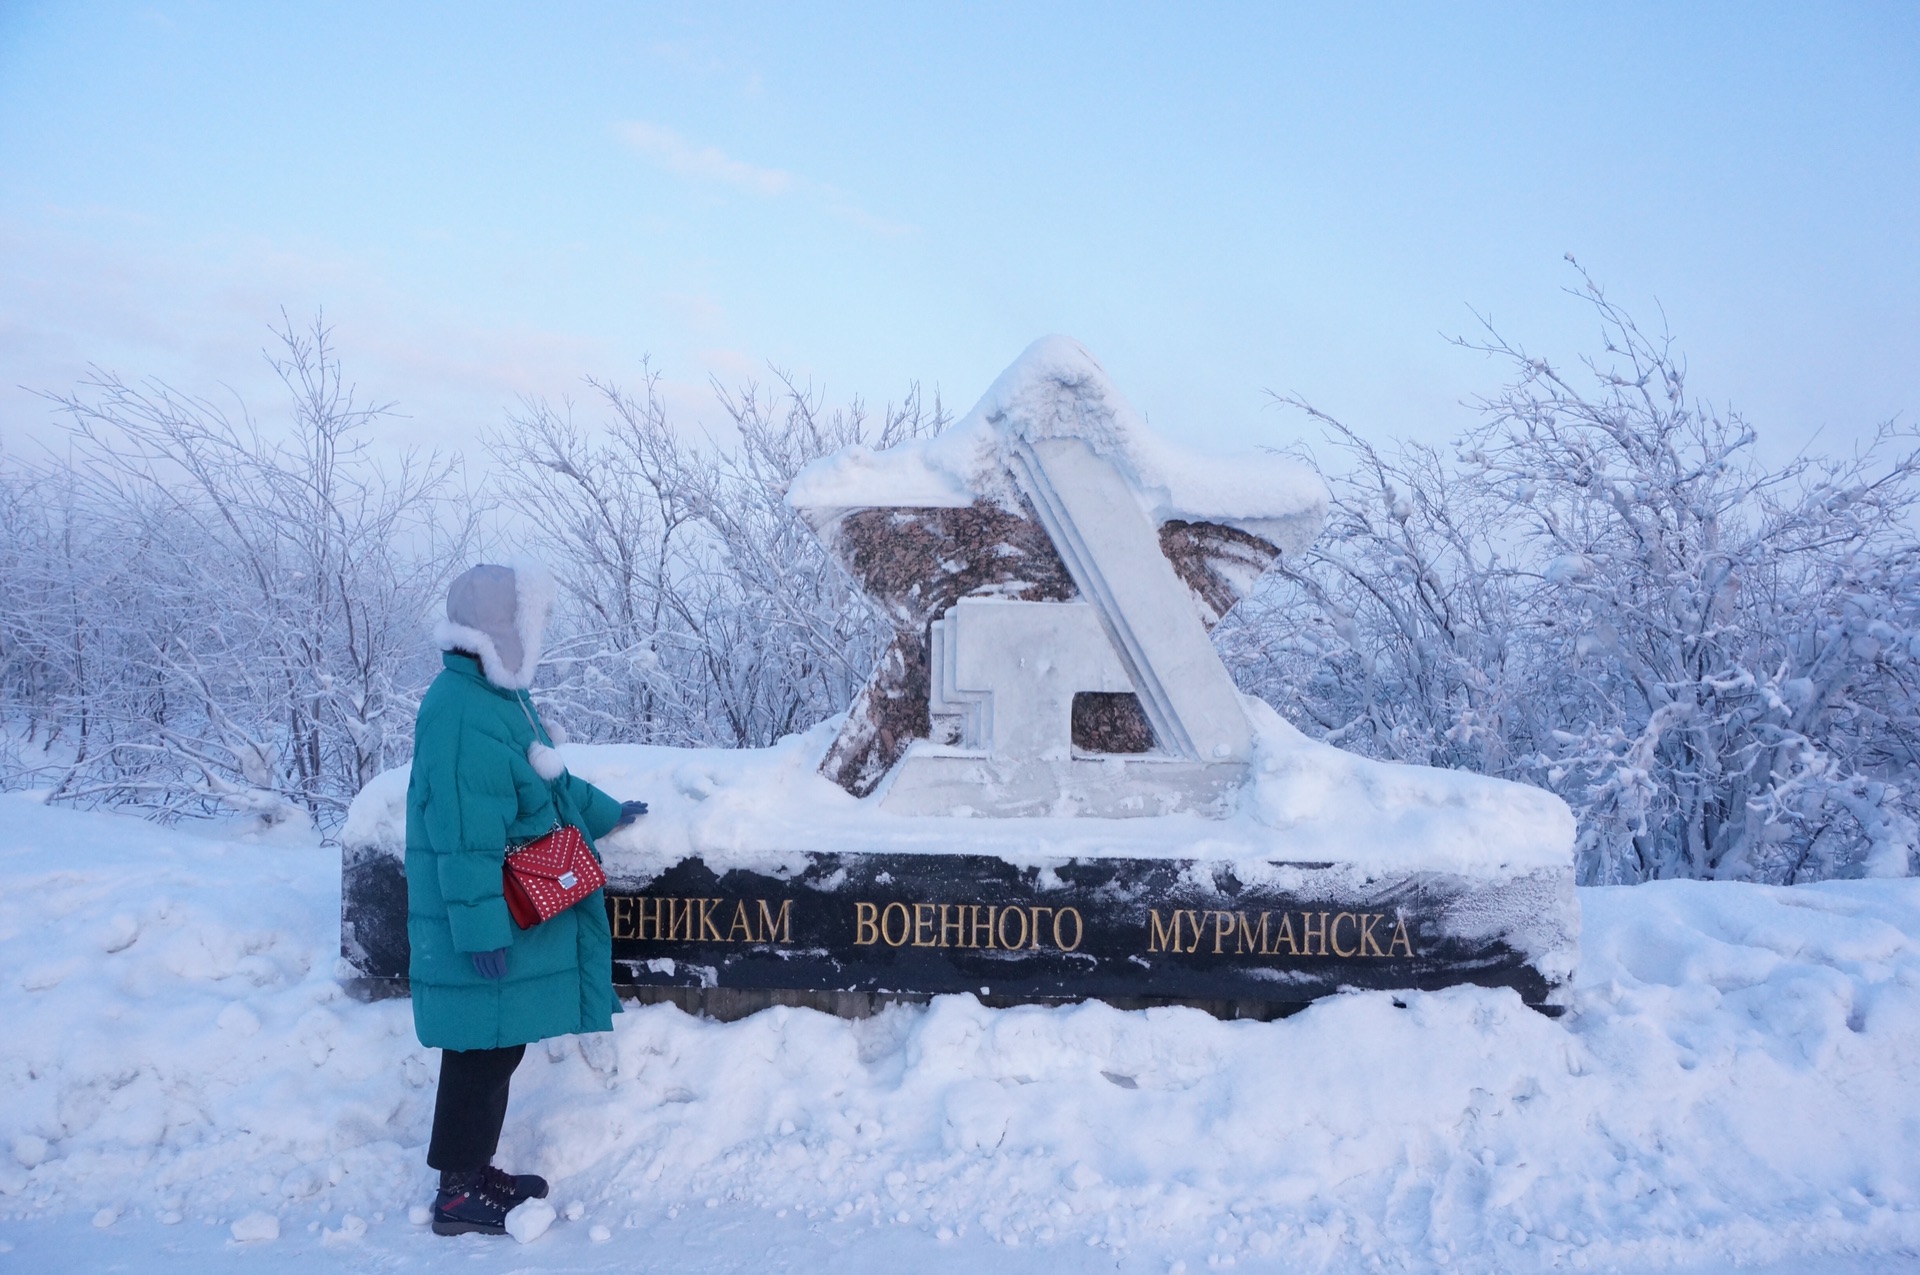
x: 1052, y: 571
x: 1049, y: 788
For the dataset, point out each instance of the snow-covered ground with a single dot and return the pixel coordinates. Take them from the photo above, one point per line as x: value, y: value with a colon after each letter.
x: 1738, y: 1084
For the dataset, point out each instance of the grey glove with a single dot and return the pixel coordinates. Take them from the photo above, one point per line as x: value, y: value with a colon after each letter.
x: 629, y: 811
x: 491, y: 964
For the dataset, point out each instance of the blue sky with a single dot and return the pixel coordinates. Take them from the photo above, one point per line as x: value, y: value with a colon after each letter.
x: 492, y: 201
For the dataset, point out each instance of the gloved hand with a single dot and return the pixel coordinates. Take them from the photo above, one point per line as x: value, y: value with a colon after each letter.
x: 629, y: 811
x: 491, y: 964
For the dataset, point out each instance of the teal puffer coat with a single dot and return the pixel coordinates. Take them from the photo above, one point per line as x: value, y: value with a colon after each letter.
x: 471, y: 793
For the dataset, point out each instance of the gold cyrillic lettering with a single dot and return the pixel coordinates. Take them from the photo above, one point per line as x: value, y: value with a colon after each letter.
x: 1222, y: 926
x: 1192, y: 916
x: 1244, y: 941
x: 1036, y: 924
x: 956, y: 927
x: 866, y: 926
x: 740, y: 923
x: 1308, y: 933
x: 1333, y: 934
x: 921, y: 924
x: 706, y: 922
x: 906, y: 925
x: 679, y: 919
x: 1367, y: 922
x: 1400, y: 938
x: 774, y: 926
x: 1162, y: 938
x: 1284, y: 935
x: 623, y: 916
x: 973, y: 939
x: 1079, y: 929
x: 1000, y: 931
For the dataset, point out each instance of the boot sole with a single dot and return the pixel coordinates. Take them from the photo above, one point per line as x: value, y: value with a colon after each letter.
x: 466, y: 1228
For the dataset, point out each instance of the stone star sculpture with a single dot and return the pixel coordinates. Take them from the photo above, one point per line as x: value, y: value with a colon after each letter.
x: 1052, y: 571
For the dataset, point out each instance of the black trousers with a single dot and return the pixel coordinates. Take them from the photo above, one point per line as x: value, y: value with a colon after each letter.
x: 470, y: 1107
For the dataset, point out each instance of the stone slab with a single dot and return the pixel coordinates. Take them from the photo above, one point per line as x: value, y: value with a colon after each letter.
x: 849, y: 931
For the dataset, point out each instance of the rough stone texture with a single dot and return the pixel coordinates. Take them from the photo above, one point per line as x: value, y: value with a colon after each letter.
x: 1218, y: 564
x: 889, y: 713
x: 918, y: 562
x: 1110, y: 722
x: 373, y: 922
x: 915, y: 563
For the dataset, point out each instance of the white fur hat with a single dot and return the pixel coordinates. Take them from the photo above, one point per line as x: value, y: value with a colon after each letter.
x: 500, y: 614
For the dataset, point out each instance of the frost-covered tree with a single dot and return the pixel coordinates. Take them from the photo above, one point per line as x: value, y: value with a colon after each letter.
x: 1397, y: 634
x: 1601, y: 589
x: 1606, y: 591
x: 697, y: 609
x: 56, y: 637
x: 1728, y: 640
x: 225, y: 616
x: 209, y: 614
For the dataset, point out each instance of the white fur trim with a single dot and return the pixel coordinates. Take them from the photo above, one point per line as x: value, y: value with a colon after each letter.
x: 534, y: 591
x: 546, y: 761
x: 450, y: 636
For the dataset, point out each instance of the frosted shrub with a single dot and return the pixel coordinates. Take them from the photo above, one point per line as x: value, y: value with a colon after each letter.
x: 1599, y: 589
x: 1604, y: 591
x: 213, y: 617
x: 1396, y: 635
x: 206, y: 616
x: 697, y: 608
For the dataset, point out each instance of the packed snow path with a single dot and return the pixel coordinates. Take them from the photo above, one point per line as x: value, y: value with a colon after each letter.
x: 186, y: 1088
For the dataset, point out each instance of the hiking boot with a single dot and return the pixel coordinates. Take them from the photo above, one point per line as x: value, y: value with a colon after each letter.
x: 519, y: 1186
x: 471, y: 1203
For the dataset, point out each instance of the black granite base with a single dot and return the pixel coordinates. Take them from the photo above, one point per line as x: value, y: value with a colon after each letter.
x: 849, y: 932
x: 373, y: 923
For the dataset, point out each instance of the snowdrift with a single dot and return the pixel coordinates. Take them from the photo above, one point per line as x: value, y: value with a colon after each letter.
x: 1734, y: 1080
x: 763, y: 809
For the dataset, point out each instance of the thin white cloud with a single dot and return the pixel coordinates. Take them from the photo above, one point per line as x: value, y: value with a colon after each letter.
x: 854, y: 214
x: 707, y: 163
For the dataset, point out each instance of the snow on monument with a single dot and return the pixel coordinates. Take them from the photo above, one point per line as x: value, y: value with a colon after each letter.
x: 1052, y: 570
x: 1050, y: 788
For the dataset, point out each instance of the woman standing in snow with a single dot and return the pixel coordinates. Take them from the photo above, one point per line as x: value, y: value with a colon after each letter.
x: 484, y: 778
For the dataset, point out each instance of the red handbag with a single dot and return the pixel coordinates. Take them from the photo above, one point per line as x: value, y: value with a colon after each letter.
x: 547, y: 876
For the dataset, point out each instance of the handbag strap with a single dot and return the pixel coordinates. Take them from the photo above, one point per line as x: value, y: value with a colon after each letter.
x: 540, y: 736
x: 525, y: 701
